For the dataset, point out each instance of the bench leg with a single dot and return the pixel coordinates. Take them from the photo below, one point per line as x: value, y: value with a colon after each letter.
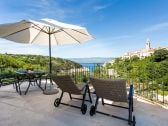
x: 102, y: 101
x: 96, y: 103
x: 70, y: 96
x: 89, y: 93
x: 130, y: 110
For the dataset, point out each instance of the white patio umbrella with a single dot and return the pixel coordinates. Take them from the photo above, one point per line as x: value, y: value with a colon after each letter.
x: 46, y: 32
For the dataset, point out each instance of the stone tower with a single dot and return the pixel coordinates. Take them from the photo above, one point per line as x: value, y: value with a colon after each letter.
x: 148, y: 44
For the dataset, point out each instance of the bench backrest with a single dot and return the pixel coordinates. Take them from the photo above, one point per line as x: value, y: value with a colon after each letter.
x: 114, y: 90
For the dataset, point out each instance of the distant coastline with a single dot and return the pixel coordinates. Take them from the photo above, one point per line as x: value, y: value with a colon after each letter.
x: 91, y: 63
x: 92, y: 60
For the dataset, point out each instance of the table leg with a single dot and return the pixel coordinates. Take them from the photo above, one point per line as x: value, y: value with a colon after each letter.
x: 39, y: 85
x: 28, y: 87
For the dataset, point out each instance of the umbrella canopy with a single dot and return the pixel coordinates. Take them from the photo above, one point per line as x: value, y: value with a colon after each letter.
x: 45, y: 32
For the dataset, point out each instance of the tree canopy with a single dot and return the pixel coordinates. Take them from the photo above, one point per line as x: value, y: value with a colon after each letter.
x: 153, y: 68
x: 12, y: 61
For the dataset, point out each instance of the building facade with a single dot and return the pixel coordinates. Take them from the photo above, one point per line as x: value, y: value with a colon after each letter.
x: 148, y: 51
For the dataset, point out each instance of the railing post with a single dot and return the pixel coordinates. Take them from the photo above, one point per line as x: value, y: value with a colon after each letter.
x: 88, y: 73
x: 157, y: 92
x: 143, y: 88
x: 147, y: 89
x: 93, y: 67
x: 138, y: 88
x: 163, y: 90
x: 152, y: 91
x: 99, y: 70
x: 75, y: 74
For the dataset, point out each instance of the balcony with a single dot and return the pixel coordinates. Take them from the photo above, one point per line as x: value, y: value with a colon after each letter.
x: 37, y: 109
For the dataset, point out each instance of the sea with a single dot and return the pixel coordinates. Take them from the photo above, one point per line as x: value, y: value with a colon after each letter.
x: 91, y: 63
x: 91, y: 66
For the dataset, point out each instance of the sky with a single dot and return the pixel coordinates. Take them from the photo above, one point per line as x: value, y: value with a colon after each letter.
x: 118, y: 26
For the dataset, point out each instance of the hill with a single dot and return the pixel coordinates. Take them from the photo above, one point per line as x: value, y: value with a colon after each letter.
x: 12, y: 61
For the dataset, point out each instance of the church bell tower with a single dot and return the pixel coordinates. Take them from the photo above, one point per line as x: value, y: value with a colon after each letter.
x: 148, y: 44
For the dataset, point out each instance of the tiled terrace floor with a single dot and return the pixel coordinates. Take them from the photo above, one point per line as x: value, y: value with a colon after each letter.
x: 36, y: 109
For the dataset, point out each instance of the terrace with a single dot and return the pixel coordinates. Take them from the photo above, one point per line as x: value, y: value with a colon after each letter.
x: 119, y: 27
x: 37, y: 109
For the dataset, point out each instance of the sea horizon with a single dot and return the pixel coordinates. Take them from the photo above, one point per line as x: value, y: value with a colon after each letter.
x: 92, y: 60
x: 91, y: 63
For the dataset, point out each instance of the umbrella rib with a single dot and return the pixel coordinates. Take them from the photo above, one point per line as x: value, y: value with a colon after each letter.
x: 25, y: 29
x: 71, y: 36
x: 15, y: 32
x: 57, y: 31
x: 79, y: 32
x: 39, y: 28
x: 53, y: 30
x: 56, y: 39
x: 36, y: 26
x: 37, y: 35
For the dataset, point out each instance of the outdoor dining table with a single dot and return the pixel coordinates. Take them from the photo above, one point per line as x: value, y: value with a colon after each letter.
x: 30, y: 76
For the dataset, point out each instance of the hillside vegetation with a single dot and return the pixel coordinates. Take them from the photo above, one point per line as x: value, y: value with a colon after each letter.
x: 11, y: 62
x: 151, y: 70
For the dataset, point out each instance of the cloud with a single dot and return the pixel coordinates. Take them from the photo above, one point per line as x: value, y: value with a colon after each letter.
x: 39, y: 4
x: 121, y: 37
x: 116, y: 38
x: 34, y: 9
x: 88, y: 49
x: 70, y: 0
x: 100, y: 7
x: 17, y: 48
x: 157, y: 27
x: 93, y: 48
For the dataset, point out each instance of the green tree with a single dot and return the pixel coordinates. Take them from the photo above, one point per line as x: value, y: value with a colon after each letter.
x: 160, y: 55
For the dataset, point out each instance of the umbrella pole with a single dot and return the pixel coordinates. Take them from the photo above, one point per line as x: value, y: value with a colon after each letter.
x: 51, y: 91
x: 50, y: 64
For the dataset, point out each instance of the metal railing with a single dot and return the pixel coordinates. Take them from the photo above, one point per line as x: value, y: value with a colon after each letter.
x: 149, y: 89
